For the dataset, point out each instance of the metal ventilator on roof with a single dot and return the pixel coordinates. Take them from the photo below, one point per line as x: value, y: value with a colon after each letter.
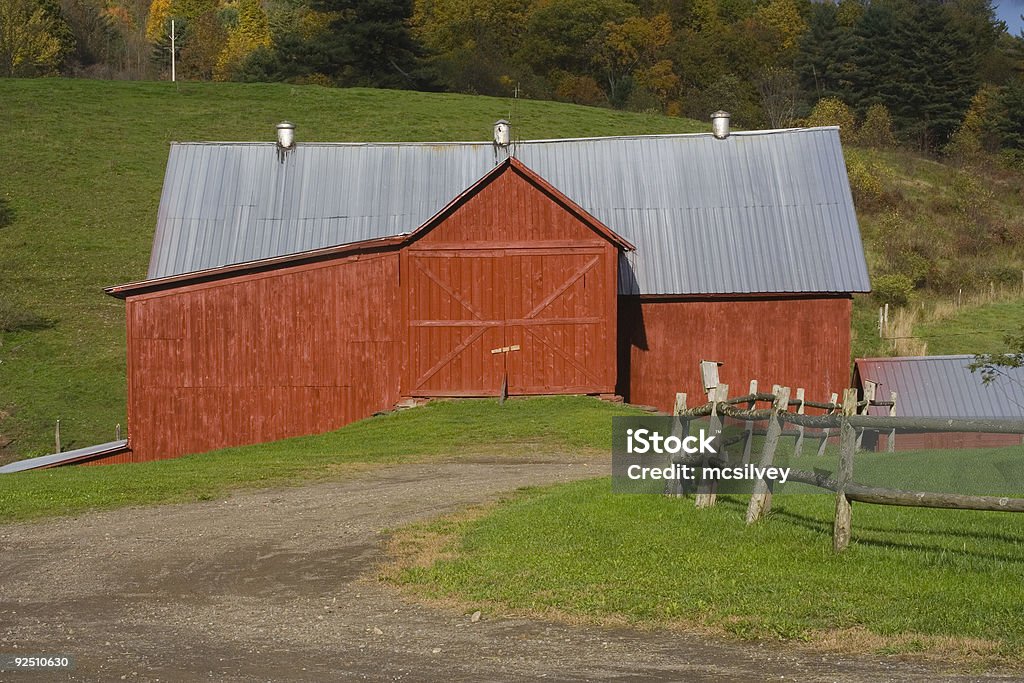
x: 720, y: 124
x: 285, y: 139
x: 502, y: 139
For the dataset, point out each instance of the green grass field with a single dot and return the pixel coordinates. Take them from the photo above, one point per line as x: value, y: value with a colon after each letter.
x: 440, y: 429
x: 944, y: 581
x: 975, y: 330
x: 82, y: 167
x: 949, y: 582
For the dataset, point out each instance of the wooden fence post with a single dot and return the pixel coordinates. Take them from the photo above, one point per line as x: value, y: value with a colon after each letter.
x: 761, y: 498
x: 748, y: 442
x: 891, y: 446
x: 680, y: 429
x: 842, y: 526
x: 825, y: 431
x: 799, y: 446
x: 707, y: 490
x: 56, y: 436
x: 869, y: 396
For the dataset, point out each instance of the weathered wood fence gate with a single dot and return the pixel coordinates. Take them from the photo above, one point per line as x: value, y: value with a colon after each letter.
x: 851, y: 426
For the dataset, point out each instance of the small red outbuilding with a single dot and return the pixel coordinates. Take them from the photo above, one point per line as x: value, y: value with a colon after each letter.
x: 943, y: 387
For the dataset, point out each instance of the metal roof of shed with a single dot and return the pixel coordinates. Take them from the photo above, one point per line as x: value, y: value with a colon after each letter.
x: 944, y: 386
x: 762, y: 211
x: 66, y: 457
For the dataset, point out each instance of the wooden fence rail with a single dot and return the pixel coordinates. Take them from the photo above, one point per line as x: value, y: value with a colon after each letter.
x: 850, y: 420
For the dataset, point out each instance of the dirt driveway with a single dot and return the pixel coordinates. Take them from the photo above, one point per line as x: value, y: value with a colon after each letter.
x: 272, y: 586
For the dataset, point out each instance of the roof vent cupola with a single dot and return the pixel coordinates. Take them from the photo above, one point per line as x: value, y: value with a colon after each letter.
x: 502, y: 133
x: 285, y: 135
x: 720, y: 124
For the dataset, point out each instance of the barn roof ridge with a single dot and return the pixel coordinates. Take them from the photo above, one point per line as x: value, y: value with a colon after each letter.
x: 489, y: 143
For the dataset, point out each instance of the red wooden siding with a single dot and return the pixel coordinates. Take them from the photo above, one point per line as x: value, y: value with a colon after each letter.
x: 119, y: 458
x: 946, y: 441
x: 262, y: 357
x: 510, y: 268
x: 795, y: 342
x: 258, y: 355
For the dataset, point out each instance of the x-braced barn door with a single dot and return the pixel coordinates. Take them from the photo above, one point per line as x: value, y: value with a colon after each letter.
x: 541, y: 320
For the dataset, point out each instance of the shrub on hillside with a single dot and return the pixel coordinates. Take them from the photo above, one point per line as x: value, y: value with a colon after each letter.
x: 579, y: 90
x: 977, y: 231
x: 979, y: 133
x: 895, y: 289
x: 907, y: 248
x: 865, y: 182
x: 872, y: 181
x: 876, y: 131
x: 832, y: 111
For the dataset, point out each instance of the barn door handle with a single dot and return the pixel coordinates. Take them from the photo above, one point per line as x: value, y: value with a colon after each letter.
x: 505, y: 349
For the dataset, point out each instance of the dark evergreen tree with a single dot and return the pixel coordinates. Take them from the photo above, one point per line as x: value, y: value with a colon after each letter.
x: 291, y: 59
x: 941, y: 60
x: 369, y: 44
x: 825, y: 60
x: 1011, y: 115
x: 917, y: 60
x: 876, y: 75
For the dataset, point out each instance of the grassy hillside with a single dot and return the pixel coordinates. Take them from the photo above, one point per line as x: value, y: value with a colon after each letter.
x: 980, y: 329
x: 83, y: 162
x: 81, y: 169
x: 945, y: 247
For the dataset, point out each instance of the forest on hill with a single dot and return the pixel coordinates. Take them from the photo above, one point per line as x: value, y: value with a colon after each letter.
x: 766, y: 61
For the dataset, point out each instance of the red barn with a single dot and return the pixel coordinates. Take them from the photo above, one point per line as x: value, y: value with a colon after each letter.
x: 294, y: 290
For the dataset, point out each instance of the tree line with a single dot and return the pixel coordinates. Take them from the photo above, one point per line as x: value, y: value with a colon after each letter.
x: 934, y: 66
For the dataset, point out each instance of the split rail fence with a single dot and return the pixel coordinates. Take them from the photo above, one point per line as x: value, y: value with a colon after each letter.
x: 847, y: 420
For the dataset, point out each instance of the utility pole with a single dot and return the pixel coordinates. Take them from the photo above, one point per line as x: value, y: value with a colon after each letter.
x: 173, y: 55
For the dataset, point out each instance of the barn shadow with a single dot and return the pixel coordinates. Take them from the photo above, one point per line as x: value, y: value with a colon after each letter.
x: 631, y: 330
x: 631, y: 333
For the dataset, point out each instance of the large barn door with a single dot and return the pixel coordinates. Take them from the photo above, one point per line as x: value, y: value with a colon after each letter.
x: 558, y: 317
x: 456, y: 317
x: 536, y: 318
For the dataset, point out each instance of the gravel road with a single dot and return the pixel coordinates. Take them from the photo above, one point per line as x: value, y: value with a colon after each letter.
x: 278, y: 586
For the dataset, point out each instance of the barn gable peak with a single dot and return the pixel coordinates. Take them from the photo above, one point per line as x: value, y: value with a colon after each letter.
x: 544, y: 189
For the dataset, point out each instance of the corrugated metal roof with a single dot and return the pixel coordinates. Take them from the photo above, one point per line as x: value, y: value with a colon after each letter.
x: 943, y: 386
x: 67, y: 457
x: 765, y: 211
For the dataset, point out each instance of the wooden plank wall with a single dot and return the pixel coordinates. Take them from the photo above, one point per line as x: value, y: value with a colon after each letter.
x: 511, y: 267
x: 261, y: 357
x: 795, y: 342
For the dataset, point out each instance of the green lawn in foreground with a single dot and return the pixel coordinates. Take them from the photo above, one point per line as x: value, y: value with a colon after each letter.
x: 581, y: 549
x: 82, y: 167
x: 575, y: 424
